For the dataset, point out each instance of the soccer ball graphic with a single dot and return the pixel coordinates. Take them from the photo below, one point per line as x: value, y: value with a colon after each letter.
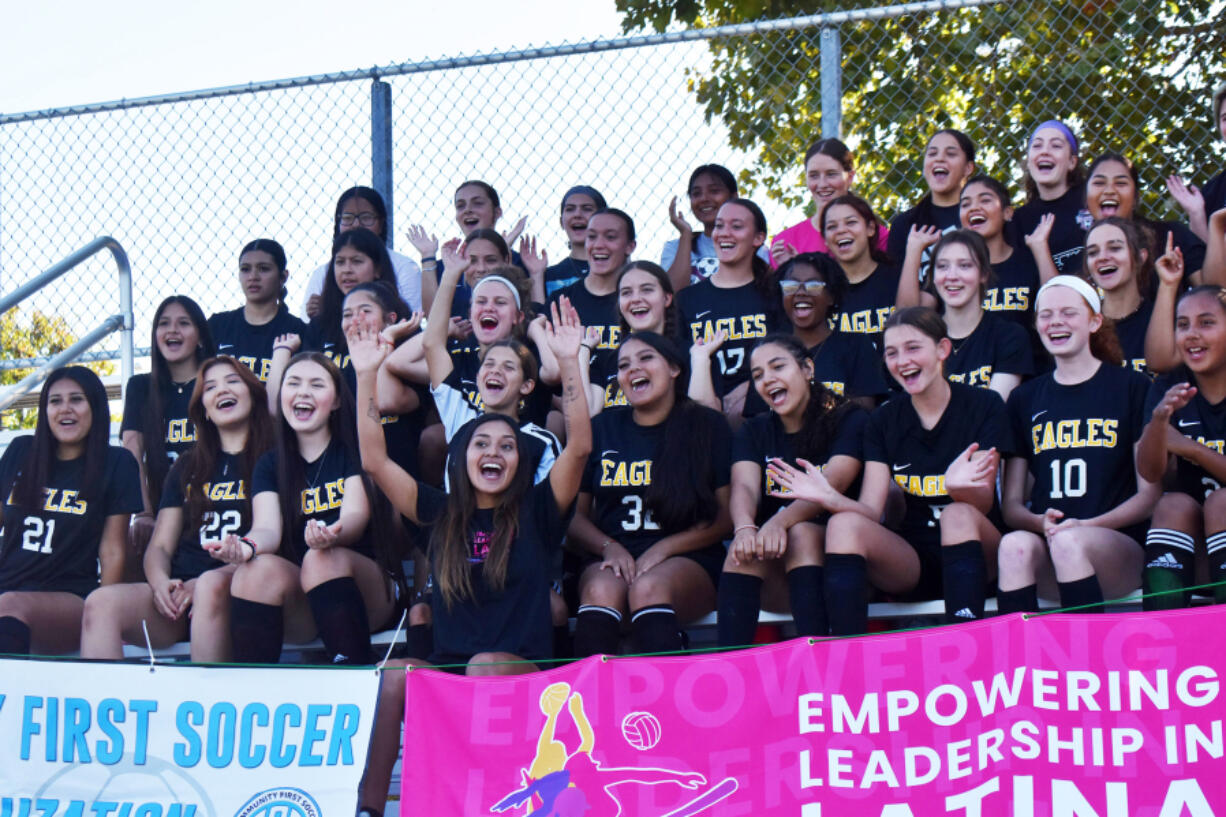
x: 641, y: 730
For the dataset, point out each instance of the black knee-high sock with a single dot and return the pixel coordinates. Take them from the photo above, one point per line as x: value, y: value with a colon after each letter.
x: 1023, y: 600
x: 807, y: 598
x: 419, y: 641
x: 1216, y: 544
x: 597, y: 630
x: 655, y: 629
x: 561, y: 642
x: 14, y: 636
x: 340, y: 617
x: 1082, y: 592
x: 740, y: 601
x: 964, y: 576
x: 1169, y: 566
x: 847, y: 593
x: 256, y: 632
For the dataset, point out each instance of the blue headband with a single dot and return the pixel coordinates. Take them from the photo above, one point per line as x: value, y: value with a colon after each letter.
x: 1063, y: 128
x: 590, y: 192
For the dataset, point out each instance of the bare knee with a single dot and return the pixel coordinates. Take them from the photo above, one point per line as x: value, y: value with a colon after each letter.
x: 847, y: 532
x: 12, y: 606
x: 557, y: 609
x: 959, y: 523
x: 804, y: 544
x: 103, y: 606
x: 319, y: 566
x: 650, y: 588
x: 604, y: 589
x: 1180, y: 512
x: 1020, y: 553
x: 1067, y: 551
x: 494, y: 663
x: 1215, y: 511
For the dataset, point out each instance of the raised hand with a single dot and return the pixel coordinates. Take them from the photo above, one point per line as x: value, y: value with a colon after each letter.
x: 1187, y: 196
x: 1170, y: 264
x: 809, y: 484
x: 564, y: 334
x: 1042, y: 231
x: 782, y: 252
x: 534, y: 262
x: 289, y: 342
x: 367, y: 350
x: 512, y: 234
x: 455, y: 256
x: 1176, y: 397
x: 426, y: 244
x: 921, y: 238
x: 402, y: 329
x: 706, y: 347
x: 678, y: 220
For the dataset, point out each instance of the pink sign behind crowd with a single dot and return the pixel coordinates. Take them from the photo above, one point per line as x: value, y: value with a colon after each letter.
x: 1061, y: 715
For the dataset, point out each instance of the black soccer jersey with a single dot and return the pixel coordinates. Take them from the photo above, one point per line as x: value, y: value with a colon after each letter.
x: 1131, y: 331
x: 762, y: 439
x: 619, y: 470
x: 563, y: 274
x: 1068, y: 233
x: 252, y: 345
x: 595, y: 311
x: 996, y: 346
x: 868, y: 304
x: 180, y: 431
x: 1017, y: 282
x: 849, y: 365
x: 946, y: 218
x: 742, y: 312
x: 1214, y: 193
x: 1199, y: 420
x: 320, y: 497
x: 401, y: 432
x: 229, y: 511
x: 516, y: 618
x: 1078, y: 439
x: 918, y: 457
x: 56, y: 548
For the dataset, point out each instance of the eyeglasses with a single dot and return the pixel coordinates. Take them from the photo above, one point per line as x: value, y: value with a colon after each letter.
x: 808, y: 287
x: 365, y: 219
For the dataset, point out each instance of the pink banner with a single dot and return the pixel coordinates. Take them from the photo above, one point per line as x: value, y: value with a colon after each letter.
x: 1052, y: 716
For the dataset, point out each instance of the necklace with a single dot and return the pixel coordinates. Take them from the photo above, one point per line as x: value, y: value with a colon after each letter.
x: 183, y: 385
x: 311, y: 483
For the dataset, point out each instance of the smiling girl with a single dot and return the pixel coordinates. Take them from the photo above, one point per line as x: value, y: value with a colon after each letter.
x: 358, y: 257
x: 68, y: 498
x: 1053, y: 180
x: 949, y: 160
x: 579, y: 204
x: 848, y: 224
x: 1119, y: 264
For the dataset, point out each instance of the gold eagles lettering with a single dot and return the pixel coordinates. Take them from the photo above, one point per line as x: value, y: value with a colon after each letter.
x: 57, y: 500
x: 922, y: 486
x: 975, y: 377
x: 745, y: 327
x: 1007, y: 299
x: 180, y: 431
x: 1094, y: 432
x: 614, y: 474
x: 221, y: 491
x: 326, y: 497
x: 865, y: 321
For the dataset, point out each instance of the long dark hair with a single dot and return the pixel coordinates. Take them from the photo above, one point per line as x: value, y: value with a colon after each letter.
x: 157, y: 463
x: 450, y: 537
x: 823, y: 412
x: 657, y: 272
x: 200, y: 461
x: 763, y: 276
x: 1140, y: 249
x: 925, y: 214
x: 370, y: 196
x: 682, y: 489
x: 36, y: 470
x: 865, y: 211
x: 328, y: 321
x: 277, y: 253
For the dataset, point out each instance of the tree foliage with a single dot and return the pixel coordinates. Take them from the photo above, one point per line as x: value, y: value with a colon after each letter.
x: 43, y: 335
x: 1130, y: 75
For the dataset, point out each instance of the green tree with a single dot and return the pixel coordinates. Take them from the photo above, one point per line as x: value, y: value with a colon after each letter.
x: 1130, y: 75
x: 43, y: 335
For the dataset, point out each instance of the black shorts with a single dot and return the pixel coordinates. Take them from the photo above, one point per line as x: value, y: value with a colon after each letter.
x: 78, y: 587
x: 927, y: 545
x: 710, y: 559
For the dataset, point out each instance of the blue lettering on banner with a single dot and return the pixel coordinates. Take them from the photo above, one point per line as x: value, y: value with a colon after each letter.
x: 41, y: 719
x: 326, y: 738
x: 50, y: 807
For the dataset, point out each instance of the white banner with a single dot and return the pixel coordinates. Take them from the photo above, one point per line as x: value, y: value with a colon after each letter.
x: 117, y: 740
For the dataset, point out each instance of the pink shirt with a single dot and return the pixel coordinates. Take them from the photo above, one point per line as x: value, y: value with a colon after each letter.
x: 805, y: 238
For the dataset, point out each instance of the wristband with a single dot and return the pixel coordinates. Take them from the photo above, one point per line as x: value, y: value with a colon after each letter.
x: 247, y: 541
x: 283, y: 346
x: 743, y: 527
x: 590, y: 348
x: 606, y: 544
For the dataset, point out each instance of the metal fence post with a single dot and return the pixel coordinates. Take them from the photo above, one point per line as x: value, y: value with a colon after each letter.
x: 832, y: 83
x: 381, y: 147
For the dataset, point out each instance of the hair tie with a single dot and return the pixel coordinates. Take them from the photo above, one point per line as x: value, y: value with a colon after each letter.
x: 1063, y: 128
x: 1077, y: 285
x: 500, y: 280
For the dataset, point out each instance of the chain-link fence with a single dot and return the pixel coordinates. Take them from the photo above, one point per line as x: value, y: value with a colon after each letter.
x: 184, y: 181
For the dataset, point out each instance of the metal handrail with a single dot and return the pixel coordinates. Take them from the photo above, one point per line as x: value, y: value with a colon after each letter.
x: 123, y: 322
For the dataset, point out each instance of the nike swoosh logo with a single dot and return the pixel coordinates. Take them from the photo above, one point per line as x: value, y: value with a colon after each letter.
x: 901, y: 467
x: 607, y: 453
x: 1034, y: 417
x: 1186, y: 423
x: 698, y: 317
x: 223, y: 346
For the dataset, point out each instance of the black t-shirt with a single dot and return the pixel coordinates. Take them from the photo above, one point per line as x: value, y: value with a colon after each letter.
x: 918, y: 457
x: 596, y: 311
x: 1017, y: 282
x: 320, y: 497
x: 1131, y: 331
x: 516, y: 618
x: 868, y: 304
x: 180, y: 431
x: 401, y: 432
x: 1068, y: 233
x: 619, y: 472
x: 252, y: 345
x: 466, y: 363
x: 704, y: 308
x: 996, y: 346
x: 849, y: 366
x: 1078, y: 439
x: 946, y: 218
x: 56, y: 549
x: 762, y: 439
x: 1214, y: 193
x: 563, y: 274
x: 1199, y: 420
x: 229, y: 512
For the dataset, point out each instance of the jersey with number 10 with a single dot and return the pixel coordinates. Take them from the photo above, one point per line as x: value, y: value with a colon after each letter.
x: 1078, y: 439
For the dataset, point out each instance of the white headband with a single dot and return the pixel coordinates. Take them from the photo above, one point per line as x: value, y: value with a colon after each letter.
x: 500, y: 280
x: 1077, y: 285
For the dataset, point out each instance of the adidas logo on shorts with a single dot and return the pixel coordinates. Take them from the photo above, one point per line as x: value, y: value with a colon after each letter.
x: 965, y: 612
x: 1166, y: 560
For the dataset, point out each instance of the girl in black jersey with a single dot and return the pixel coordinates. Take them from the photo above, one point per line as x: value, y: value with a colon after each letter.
x: 1187, y: 429
x: 207, y: 496
x: 653, y: 508
x: 1078, y: 529
x: 849, y: 224
x: 156, y: 427
x: 1112, y: 190
x: 940, y: 442
x: 1197, y: 204
x: 645, y: 303
x: 579, y: 204
x: 1119, y: 264
x: 1054, y: 186
x: 249, y: 333
x: 985, y: 208
x: 68, y: 496
x: 309, y: 563
x: 986, y: 350
x: 738, y: 300
x: 949, y: 160
x: 358, y: 256
x: 773, y: 538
